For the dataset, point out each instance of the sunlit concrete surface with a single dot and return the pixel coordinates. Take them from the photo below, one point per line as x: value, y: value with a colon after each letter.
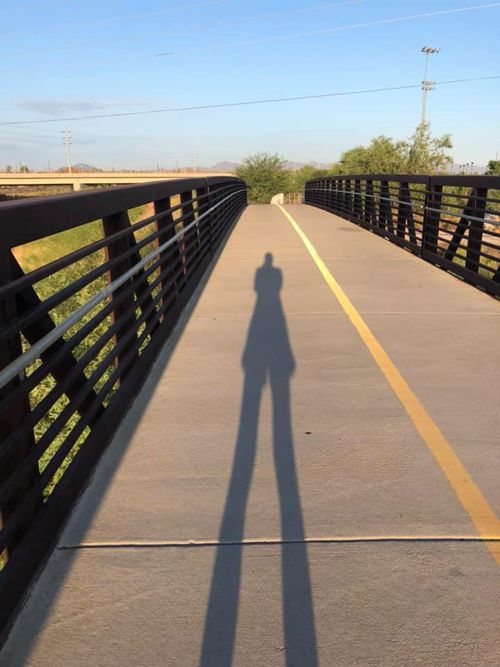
x: 267, y: 501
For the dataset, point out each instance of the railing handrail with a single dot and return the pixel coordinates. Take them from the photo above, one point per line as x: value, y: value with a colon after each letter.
x: 450, y: 221
x: 25, y: 220
x: 79, y: 334
x: 22, y: 362
x: 490, y: 182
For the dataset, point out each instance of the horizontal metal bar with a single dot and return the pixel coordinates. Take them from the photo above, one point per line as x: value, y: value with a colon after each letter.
x: 76, y: 339
x: 411, y: 204
x: 63, y: 212
x: 85, y: 418
x: 490, y: 182
x: 456, y: 215
x: 16, y: 367
x: 63, y: 262
x: 416, y: 207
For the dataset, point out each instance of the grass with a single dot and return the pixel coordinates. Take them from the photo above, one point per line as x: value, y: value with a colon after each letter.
x: 34, y: 255
x: 489, y: 268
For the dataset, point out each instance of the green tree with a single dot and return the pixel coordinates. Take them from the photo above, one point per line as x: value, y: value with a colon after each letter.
x: 24, y: 169
x: 382, y: 156
x: 420, y: 154
x: 427, y: 154
x: 265, y: 176
x: 304, y: 174
x: 493, y: 168
x: 8, y: 168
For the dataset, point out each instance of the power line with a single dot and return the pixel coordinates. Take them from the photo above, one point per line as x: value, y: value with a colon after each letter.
x: 139, y: 15
x: 355, y: 26
x: 225, y: 105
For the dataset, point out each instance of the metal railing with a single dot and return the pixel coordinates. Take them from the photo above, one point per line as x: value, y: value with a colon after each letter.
x: 87, y: 298
x: 450, y: 221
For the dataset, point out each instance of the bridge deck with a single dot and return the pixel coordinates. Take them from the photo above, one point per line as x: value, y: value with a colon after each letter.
x: 324, y: 449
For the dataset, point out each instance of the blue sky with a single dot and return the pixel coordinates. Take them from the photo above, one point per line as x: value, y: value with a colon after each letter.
x: 65, y: 58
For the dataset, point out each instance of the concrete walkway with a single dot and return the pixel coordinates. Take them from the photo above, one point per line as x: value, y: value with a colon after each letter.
x: 266, y: 424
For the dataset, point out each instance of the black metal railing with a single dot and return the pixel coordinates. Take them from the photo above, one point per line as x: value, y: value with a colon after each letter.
x: 91, y: 286
x: 451, y: 221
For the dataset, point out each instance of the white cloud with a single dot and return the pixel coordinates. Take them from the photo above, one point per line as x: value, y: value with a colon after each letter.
x: 51, y: 107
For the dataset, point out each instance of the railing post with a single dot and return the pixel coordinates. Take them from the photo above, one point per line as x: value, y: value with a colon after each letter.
x: 191, y: 237
x: 206, y: 206
x: 348, y: 199
x: 341, y: 196
x: 336, y: 196
x: 430, y: 225
x: 385, y: 208
x: 111, y: 225
x: 214, y: 199
x: 405, y: 213
x: 464, y: 224
x: 370, y: 212
x: 328, y: 188
x: 202, y: 207
x: 476, y: 228
x: 13, y: 418
x: 170, y: 259
x: 358, y: 209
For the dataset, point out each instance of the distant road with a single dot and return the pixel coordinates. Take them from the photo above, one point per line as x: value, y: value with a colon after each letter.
x: 78, y: 179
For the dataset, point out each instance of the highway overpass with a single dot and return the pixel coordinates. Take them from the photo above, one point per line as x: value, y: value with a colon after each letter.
x: 77, y: 181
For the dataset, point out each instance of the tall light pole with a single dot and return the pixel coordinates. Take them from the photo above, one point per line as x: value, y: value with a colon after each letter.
x: 67, y: 141
x: 426, y: 85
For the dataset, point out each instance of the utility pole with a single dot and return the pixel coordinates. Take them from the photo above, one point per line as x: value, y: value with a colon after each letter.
x: 67, y: 141
x: 426, y: 85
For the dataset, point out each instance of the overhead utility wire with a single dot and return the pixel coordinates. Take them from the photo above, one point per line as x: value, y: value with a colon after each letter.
x: 121, y: 39
x: 354, y: 26
x: 244, y: 103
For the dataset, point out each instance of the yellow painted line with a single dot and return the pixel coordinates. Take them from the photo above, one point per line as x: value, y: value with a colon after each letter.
x: 473, y: 501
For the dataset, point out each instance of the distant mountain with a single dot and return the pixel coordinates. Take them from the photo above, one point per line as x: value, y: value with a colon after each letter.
x: 79, y: 167
x: 83, y: 166
x: 224, y: 166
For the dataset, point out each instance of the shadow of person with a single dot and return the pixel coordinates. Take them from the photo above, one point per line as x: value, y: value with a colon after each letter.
x: 267, y: 357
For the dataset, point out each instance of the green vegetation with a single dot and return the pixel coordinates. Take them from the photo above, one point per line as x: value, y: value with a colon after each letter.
x: 488, y: 266
x: 265, y: 176
x: 493, y: 168
x: 420, y: 154
x: 39, y: 253
x: 306, y: 173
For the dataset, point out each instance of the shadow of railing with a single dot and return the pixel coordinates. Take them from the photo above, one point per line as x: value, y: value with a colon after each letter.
x: 267, y: 357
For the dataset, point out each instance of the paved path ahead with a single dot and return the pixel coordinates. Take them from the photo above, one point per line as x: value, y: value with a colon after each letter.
x: 319, y: 497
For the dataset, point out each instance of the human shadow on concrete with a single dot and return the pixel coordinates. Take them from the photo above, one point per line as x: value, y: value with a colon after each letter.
x: 267, y: 357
